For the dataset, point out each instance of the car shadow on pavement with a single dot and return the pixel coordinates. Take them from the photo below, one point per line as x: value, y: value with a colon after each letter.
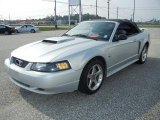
x: 127, y: 94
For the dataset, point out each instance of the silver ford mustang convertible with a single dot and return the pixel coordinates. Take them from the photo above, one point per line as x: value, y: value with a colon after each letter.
x: 80, y: 59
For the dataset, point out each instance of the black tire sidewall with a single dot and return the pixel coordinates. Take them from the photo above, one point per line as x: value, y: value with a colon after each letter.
x: 6, y: 33
x: 140, y: 59
x: 16, y: 31
x: 83, y: 87
x: 33, y: 31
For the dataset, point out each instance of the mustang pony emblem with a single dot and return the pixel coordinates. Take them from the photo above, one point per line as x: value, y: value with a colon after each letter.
x: 19, y: 62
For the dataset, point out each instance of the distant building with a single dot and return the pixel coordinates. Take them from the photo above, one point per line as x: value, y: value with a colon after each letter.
x: 153, y: 21
x: 1, y: 22
x: 62, y: 22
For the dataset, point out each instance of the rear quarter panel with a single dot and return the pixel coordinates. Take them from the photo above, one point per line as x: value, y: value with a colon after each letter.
x: 145, y: 37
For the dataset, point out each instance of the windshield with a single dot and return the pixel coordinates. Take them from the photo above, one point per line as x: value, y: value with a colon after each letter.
x: 95, y: 30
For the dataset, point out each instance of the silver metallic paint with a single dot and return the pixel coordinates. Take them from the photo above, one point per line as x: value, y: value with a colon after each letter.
x: 78, y: 51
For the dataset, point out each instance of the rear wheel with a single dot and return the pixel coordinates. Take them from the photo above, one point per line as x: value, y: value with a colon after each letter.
x: 6, y: 33
x: 144, y: 54
x: 32, y: 31
x: 16, y: 31
x: 92, y: 77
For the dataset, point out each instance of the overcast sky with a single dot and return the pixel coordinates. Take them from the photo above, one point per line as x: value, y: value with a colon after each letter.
x: 22, y: 9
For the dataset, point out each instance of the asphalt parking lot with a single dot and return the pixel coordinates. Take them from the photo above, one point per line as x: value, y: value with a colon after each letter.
x: 133, y: 93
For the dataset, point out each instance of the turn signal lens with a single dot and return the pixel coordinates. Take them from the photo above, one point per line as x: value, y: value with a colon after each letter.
x: 62, y: 66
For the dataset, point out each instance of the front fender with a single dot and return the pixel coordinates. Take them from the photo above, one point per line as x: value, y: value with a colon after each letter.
x: 90, y: 55
x: 80, y: 59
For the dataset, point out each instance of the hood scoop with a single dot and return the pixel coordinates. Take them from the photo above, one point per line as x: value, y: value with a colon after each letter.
x: 50, y: 41
x: 57, y: 40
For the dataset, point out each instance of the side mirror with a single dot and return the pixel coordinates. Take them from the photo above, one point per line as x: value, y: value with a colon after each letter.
x: 120, y: 37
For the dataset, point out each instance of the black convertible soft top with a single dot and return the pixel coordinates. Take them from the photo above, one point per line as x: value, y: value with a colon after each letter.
x: 122, y: 21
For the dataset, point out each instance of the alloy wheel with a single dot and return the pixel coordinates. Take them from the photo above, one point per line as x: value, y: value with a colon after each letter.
x: 144, y: 54
x: 95, y: 77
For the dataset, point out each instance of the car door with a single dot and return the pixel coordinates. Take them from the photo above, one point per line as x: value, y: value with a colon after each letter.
x: 2, y: 28
x: 29, y: 27
x: 123, y: 52
x: 23, y: 28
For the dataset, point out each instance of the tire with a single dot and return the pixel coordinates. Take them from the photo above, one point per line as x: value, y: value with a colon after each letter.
x: 92, y: 77
x: 16, y: 31
x: 6, y: 33
x: 32, y: 31
x: 143, y: 56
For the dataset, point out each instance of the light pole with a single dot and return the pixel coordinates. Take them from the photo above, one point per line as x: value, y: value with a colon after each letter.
x: 134, y: 10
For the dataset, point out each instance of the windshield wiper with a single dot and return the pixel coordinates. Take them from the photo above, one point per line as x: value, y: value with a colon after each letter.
x: 85, y: 36
x: 66, y: 35
x: 80, y: 35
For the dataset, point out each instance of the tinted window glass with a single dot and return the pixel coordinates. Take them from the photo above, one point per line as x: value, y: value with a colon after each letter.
x: 127, y: 29
x: 23, y: 27
x: 30, y: 26
x: 2, y: 26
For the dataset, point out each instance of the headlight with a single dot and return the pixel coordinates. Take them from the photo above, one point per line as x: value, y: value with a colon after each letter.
x: 51, y: 67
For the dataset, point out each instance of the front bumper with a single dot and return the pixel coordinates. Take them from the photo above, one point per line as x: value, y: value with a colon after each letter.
x: 43, y: 83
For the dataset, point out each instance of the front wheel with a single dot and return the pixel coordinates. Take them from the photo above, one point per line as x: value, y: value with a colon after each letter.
x: 143, y: 56
x: 92, y: 77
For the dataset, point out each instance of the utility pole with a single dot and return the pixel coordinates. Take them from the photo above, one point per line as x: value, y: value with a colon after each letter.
x: 1, y: 19
x: 55, y: 11
x: 9, y: 18
x: 69, y: 15
x: 108, y: 7
x: 131, y: 17
x: 80, y: 11
x: 134, y: 10
x: 96, y: 9
x: 55, y: 14
x: 117, y: 12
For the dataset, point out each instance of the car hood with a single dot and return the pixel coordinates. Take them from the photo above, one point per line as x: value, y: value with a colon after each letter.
x: 48, y: 49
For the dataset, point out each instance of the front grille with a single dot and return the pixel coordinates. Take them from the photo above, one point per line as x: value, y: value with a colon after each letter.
x: 19, y: 62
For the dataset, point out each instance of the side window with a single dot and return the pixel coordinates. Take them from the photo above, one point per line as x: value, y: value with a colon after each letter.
x: 127, y: 28
x: 30, y: 26
x: 2, y: 26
